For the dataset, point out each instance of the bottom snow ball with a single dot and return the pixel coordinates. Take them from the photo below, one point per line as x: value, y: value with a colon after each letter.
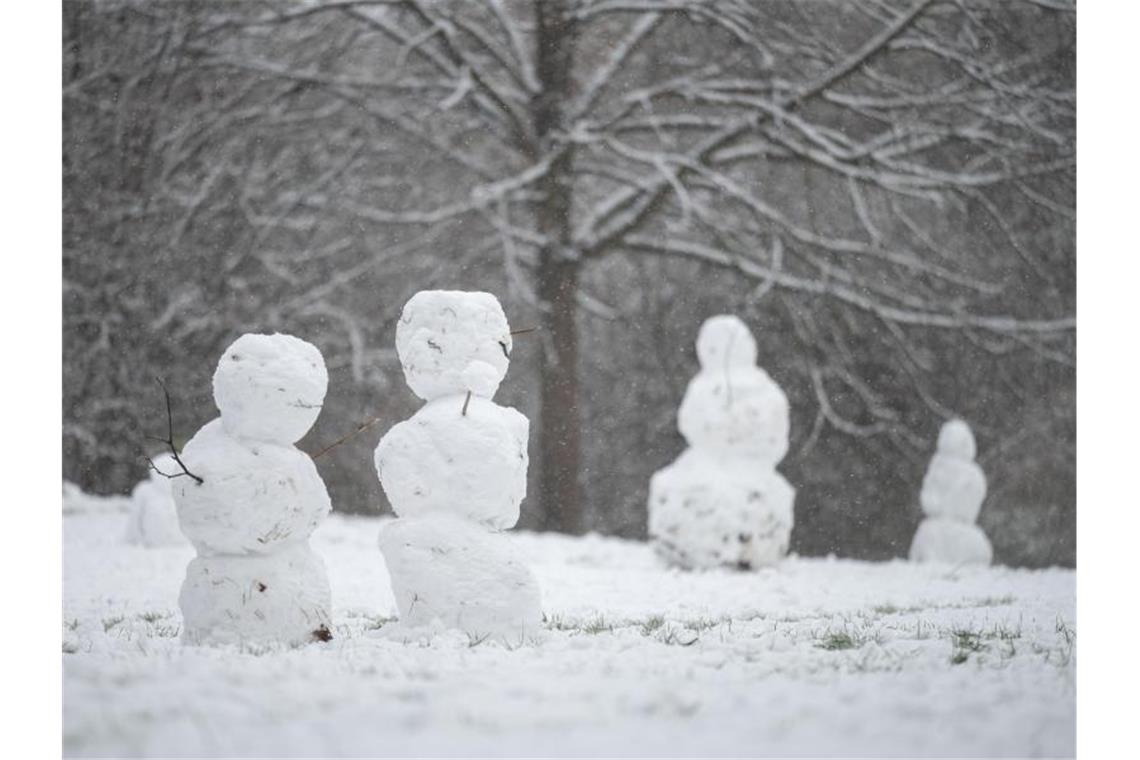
x: 957, y: 543
x: 462, y: 575
x: 282, y: 598
x: 707, y: 512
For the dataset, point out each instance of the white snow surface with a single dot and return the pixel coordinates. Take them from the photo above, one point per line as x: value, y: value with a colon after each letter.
x: 255, y: 498
x: 154, y: 518
x: 811, y: 657
x: 442, y: 461
x: 270, y: 387
x: 442, y: 333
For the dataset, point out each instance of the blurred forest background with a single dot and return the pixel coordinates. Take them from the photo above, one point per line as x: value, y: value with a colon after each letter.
x: 883, y: 190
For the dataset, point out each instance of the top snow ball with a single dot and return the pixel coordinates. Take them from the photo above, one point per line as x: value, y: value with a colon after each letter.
x: 270, y: 387
x: 453, y: 342
x: 725, y: 342
x: 957, y: 440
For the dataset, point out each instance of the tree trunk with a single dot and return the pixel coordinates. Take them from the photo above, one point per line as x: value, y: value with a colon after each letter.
x: 557, y: 277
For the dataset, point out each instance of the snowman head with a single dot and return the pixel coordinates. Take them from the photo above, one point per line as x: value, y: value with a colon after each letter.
x: 270, y: 387
x: 725, y: 342
x: 956, y: 440
x: 451, y: 342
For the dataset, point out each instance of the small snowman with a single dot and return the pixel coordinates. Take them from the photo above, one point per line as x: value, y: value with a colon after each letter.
x: 952, y: 495
x: 255, y: 580
x: 153, y: 520
x: 455, y: 474
x: 722, y: 503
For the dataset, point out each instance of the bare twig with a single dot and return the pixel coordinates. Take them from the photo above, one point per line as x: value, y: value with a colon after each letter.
x: 169, y: 441
x: 363, y: 426
x: 466, y: 401
x: 523, y: 331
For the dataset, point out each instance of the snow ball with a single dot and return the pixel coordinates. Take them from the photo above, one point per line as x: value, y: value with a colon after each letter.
x: 706, y: 511
x: 270, y: 387
x: 741, y: 411
x: 442, y: 461
x: 282, y: 598
x: 442, y: 332
x: 481, y: 379
x: 951, y: 542
x: 449, y: 571
x: 724, y: 341
x: 255, y: 498
x: 953, y: 488
x: 956, y: 439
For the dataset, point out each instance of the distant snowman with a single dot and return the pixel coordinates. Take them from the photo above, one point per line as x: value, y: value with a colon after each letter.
x: 455, y: 474
x: 722, y: 503
x: 153, y: 519
x: 952, y: 495
x: 255, y: 580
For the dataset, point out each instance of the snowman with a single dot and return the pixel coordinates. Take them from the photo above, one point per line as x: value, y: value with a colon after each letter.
x: 722, y: 502
x: 952, y: 495
x: 255, y: 580
x: 455, y: 474
x: 153, y: 519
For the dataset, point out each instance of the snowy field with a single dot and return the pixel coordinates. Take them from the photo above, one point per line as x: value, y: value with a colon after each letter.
x: 817, y: 657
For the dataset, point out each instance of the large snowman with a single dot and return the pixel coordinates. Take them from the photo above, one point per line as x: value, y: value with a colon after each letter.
x: 255, y: 579
x: 952, y: 495
x: 455, y: 474
x: 722, y: 502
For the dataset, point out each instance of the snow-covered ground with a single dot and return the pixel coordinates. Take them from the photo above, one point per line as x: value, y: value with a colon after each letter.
x: 816, y: 657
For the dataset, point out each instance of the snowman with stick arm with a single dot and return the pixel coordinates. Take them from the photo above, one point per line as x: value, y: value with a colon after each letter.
x: 455, y: 475
x: 254, y: 499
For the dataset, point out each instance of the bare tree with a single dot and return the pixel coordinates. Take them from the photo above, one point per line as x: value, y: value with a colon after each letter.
x: 876, y: 171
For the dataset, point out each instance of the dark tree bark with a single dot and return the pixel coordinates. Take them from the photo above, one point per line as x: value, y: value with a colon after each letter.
x: 557, y: 277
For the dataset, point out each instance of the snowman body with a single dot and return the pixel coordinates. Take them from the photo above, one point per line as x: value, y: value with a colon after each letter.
x: 952, y: 494
x: 455, y: 475
x: 255, y: 580
x: 153, y: 519
x: 722, y: 502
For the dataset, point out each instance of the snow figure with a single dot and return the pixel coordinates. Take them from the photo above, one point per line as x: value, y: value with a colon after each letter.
x: 723, y: 502
x: 153, y: 519
x: 952, y: 495
x: 255, y: 579
x: 455, y: 474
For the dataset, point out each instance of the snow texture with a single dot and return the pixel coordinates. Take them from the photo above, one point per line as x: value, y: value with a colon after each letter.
x: 270, y: 387
x: 723, y: 502
x: 455, y: 474
x: 450, y: 342
x: 259, y: 500
x: 952, y: 494
x: 813, y: 657
x: 154, y: 519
